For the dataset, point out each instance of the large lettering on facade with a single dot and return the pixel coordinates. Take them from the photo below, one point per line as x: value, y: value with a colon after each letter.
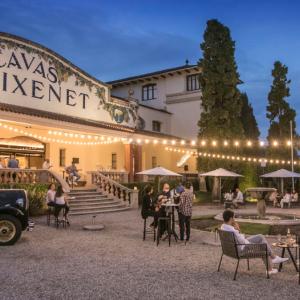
x: 35, y: 77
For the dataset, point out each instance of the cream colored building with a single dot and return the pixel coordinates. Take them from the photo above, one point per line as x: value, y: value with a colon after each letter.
x: 175, y: 91
x: 50, y: 108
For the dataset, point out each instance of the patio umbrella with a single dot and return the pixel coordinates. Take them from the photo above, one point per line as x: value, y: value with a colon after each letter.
x: 282, y: 173
x: 160, y: 172
x: 221, y: 173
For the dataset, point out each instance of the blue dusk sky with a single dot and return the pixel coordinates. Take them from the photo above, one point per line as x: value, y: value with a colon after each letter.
x: 115, y: 39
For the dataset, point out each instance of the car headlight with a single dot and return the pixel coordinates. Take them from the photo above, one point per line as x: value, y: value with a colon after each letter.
x: 20, y: 202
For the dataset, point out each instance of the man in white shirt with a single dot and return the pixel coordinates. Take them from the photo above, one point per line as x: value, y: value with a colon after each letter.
x: 239, y: 198
x: 231, y: 225
x: 46, y: 164
x: 287, y: 198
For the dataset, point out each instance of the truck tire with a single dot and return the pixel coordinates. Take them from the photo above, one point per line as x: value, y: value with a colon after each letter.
x: 10, y: 230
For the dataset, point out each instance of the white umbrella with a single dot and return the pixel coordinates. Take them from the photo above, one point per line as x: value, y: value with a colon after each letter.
x: 282, y: 173
x: 158, y: 171
x: 221, y: 173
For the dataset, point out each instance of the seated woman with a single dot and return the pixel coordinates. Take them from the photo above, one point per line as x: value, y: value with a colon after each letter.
x: 274, y: 198
x: 50, y: 197
x: 61, y: 202
x: 148, y: 205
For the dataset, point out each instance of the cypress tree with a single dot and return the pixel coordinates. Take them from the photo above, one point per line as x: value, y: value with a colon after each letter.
x: 219, y: 78
x: 221, y: 106
x: 279, y: 111
x: 250, y: 126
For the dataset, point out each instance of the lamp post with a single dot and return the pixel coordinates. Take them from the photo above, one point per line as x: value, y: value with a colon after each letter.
x: 292, y: 153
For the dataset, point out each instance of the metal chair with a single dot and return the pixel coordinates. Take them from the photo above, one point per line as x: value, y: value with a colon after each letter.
x: 50, y: 211
x: 58, y: 221
x: 148, y: 231
x: 232, y: 249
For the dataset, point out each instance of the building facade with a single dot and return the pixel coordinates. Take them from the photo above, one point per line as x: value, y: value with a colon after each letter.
x: 175, y: 91
x: 49, y: 108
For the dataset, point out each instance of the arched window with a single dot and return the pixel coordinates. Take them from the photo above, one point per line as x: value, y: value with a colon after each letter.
x: 149, y: 92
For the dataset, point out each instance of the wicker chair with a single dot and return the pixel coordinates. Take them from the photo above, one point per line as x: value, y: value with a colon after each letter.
x: 231, y: 249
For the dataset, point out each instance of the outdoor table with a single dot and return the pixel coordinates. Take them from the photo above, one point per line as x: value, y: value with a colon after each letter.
x: 172, y: 215
x: 288, y: 247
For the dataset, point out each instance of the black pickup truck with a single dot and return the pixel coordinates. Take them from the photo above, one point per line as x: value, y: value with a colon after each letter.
x: 13, y: 215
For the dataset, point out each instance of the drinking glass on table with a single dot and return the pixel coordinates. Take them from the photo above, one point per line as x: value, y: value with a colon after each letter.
x: 279, y: 238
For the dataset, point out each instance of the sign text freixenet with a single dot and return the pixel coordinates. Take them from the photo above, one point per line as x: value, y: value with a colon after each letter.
x: 47, y: 88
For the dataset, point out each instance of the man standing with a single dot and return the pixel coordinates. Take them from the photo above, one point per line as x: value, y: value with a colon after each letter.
x: 185, y: 212
x: 46, y: 164
x: 13, y: 163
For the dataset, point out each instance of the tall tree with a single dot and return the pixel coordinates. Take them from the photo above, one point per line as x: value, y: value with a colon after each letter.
x: 279, y: 111
x: 219, y: 78
x: 250, y: 126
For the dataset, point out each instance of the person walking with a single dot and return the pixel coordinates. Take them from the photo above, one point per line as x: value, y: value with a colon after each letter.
x: 185, y: 212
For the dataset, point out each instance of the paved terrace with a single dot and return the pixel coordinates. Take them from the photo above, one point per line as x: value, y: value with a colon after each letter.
x: 116, y: 264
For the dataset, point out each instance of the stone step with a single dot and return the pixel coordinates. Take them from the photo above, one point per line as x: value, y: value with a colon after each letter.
x: 95, y: 207
x: 83, y: 189
x: 71, y: 201
x: 99, y: 196
x: 93, y: 203
x: 96, y: 212
x: 84, y: 193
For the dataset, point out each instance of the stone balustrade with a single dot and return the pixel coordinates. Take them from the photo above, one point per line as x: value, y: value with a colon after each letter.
x: 114, y: 189
x: 32, y: 176
x: 118, y: 176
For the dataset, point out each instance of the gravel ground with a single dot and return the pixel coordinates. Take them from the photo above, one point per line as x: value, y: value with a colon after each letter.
x: 116, y: 264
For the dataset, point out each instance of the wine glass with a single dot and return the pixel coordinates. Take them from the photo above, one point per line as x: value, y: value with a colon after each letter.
x: 279, y: 238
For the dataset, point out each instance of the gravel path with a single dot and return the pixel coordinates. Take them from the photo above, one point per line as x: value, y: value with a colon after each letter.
x: 116, y: 264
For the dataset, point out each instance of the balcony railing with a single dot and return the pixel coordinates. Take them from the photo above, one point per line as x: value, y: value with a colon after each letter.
x: 12, y: 176
x: 114, y: 189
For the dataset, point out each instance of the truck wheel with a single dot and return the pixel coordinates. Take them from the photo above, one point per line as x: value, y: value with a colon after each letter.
x: 10, y: 230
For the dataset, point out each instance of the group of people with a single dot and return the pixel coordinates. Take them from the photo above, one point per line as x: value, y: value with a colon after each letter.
x: 155, y: 207
x: 56, y: 198
x: 287, y: 198
x: 12, y: 163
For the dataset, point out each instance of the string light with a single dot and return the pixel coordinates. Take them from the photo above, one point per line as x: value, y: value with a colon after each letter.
x: 55, y: 140
x: 233, y: 157
x: 94, y: 138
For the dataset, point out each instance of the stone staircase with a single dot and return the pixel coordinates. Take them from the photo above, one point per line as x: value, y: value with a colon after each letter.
x: 89, y: 201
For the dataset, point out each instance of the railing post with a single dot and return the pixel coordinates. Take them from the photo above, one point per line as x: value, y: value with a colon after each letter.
x: 134, y: 199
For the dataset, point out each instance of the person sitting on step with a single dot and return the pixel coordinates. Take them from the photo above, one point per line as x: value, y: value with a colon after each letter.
x: 73, y: 174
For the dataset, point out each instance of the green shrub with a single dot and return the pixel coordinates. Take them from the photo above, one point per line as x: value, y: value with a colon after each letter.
x: 203, y: 197
x: 36, y: 195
